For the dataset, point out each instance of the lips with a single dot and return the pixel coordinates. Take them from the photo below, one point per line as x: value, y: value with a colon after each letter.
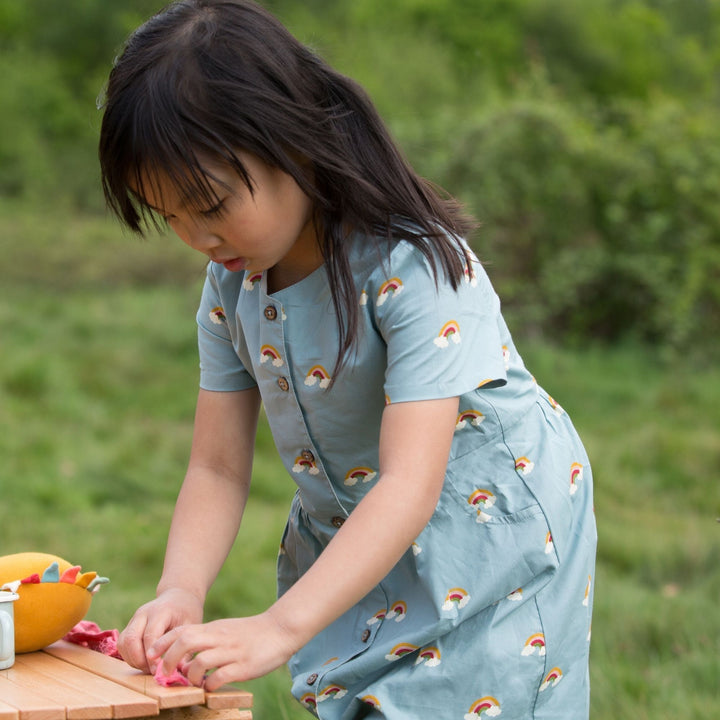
x: 233, y: 264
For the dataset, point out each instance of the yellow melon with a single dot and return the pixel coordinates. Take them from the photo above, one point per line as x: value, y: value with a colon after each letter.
x: 45, y: 611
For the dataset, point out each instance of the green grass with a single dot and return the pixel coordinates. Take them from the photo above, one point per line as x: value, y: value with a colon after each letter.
x: 97, y: 387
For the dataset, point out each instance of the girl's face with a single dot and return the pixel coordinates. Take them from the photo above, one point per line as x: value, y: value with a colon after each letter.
x: 270, y: 229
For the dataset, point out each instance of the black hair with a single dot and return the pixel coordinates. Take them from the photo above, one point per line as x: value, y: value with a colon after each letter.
x: 209, y: 78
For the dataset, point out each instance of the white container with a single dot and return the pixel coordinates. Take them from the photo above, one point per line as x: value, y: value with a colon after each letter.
x: 7, y: 629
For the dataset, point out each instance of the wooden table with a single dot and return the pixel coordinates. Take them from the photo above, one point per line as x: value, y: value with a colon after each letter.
x: 70, y: 682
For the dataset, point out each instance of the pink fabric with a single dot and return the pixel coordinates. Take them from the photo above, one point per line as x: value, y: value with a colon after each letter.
x: 175, y: 677
x: 89, y: 635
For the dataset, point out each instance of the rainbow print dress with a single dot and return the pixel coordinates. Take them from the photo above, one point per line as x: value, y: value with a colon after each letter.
x: 488, y: 613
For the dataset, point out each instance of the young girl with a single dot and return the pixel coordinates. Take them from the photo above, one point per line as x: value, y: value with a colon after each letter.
x: 438, y: 556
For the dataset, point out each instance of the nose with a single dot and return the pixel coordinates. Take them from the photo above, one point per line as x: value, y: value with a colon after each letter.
x: 197, y: 237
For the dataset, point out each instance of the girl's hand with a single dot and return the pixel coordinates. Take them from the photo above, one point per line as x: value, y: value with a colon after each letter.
x: 222, y: 651
x: 172, y: 608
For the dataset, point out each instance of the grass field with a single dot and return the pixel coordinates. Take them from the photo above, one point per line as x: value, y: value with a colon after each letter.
x: 97, y: 387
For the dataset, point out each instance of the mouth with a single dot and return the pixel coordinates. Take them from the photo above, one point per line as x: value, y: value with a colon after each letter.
x: 233, y: 264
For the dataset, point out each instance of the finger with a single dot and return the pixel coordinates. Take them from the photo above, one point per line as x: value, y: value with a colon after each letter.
x: 177, y: 646
x: 131, y: 645
x: 153, y: 648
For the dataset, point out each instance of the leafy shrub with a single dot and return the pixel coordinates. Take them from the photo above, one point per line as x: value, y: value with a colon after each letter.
x: 598, y: 230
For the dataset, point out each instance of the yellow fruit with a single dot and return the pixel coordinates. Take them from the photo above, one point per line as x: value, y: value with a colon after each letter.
x: 45, y: 611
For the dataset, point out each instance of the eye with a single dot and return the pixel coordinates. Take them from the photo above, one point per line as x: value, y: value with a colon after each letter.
x: 214, y: 211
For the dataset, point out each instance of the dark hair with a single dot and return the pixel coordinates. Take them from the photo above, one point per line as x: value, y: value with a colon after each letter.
x: 207, y: 78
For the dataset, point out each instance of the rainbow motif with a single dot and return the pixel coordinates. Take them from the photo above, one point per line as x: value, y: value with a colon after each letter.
x: 301, y: 465
x: 470, y: 278
x: 586, y: 597
x: 485, y: 382
x: 515, y: 595
x: 268, y: 352
x: 398, y: 611
x: 377, y: 617
x: 430, y: 656
x: 450, y: 331
x: 555, y: 405
x: 251, y: 281
x: 524, y: 466
x: 370, y: 700
x: 400, y: 650
x: 482, y: 500
x: 506, y: 356
x: 364, y: 474
x: 456, y: 598
x: 330, y: 661
x: 552, y: 679
x: 363, y: 298
x: 549, y: 545
x: 474, y: 417
x: 416, y: 549
x: 535, y: 644
x: 318, y: 375
x: 217, y: 316
x: 487, y: 706
x: 308, y: 700
x: 332, y: 691
x: 389, y: 289
x: 576, y: 475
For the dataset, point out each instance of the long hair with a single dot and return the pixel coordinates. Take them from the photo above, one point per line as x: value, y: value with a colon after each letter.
x: 209, y: 78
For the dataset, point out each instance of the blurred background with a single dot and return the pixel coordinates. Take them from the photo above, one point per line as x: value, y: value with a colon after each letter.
x: 583, y: 134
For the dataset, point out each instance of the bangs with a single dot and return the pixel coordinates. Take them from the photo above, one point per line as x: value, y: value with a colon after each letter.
x: 153, y: 139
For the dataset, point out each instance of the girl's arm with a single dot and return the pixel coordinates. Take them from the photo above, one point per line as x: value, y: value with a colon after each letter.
x: 206, y: 518
x: 415, y: 441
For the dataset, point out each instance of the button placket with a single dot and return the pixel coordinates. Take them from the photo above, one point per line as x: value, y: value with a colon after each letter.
x: 285, y: 413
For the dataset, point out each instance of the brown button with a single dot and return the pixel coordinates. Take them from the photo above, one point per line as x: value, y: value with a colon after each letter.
x: 365, y: 635
x: 270, y: 312
x: 307, y: 455
x: 311, y: 679
x: 338, y: 521
x: 283, y: 384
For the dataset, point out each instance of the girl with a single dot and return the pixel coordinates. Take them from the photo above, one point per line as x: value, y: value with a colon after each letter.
x: 438, y: 555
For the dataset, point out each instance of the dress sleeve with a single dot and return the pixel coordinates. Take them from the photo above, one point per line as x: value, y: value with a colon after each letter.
x: 441, y: 342
x: 219, y: 338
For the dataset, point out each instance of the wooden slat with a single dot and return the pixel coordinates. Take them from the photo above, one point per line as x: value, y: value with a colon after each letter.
x: 30, y: 705
x: 123, y: 702
x: 120, y: 672
x: 198, y: 712
x: 229, y: 698
x: 77, y: 704
x: 7, y: 712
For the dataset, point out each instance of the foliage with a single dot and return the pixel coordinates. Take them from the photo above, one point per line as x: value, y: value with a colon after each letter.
x: 594, y: 230
x: 583, y: 135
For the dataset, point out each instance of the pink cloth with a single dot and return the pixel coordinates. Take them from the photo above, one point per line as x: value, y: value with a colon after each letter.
x: 89, y: 635
x: 175, y: 677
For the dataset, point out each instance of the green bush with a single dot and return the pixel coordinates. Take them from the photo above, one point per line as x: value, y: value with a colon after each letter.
x: 598, y: 230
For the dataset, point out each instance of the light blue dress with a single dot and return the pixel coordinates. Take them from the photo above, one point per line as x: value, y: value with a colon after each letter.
x: 488, y: 614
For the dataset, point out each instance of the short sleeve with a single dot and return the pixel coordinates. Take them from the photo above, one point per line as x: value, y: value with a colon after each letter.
x: 441, y: 341
x: 220, y: 366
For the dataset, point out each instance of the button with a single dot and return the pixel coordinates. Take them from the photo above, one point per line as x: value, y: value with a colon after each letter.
x: 283, y: 384
x: 270, y: 312
x: 365, y: 635
x: 338, y: 521
x: 307, y: 455
x: 312, y: 679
